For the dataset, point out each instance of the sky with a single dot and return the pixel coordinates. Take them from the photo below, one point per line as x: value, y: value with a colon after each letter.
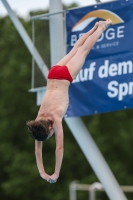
x: 23, y: 7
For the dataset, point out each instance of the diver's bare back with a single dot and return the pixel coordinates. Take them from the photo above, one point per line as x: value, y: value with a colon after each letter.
x: 56, y: 99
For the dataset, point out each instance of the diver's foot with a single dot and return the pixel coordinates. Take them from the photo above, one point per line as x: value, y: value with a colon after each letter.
x: 104, y: 24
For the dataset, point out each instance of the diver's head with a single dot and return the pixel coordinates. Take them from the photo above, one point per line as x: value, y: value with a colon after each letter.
x: 40, y: 129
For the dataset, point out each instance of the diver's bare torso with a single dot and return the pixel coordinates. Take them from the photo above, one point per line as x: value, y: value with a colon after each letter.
x: 55, y: 102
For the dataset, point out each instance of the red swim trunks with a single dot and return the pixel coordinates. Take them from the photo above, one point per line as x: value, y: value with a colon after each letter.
x: 60, y: 73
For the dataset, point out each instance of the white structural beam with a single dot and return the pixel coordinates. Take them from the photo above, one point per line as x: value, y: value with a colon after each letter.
x: 80, y: 132
x: 56, y: 32
x: 95, y: 158
x: 27, y: 40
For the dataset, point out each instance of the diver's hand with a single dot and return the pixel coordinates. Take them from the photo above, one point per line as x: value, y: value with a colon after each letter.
x: 45, y: 176
x: 53, y: 178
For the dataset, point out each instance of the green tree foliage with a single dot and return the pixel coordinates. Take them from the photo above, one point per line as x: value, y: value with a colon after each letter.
x: 19, y: 177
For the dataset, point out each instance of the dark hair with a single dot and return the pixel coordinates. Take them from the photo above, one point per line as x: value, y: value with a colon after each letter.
x: 39, y: 129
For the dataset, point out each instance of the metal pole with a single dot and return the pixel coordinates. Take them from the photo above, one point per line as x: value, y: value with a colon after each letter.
x: 75, y: 186
x: 57, y: 45
x: 98, y: 1
x: 95, y: 158
x: 92, y: 190
x: 28, y: 42
x: 72, y: 191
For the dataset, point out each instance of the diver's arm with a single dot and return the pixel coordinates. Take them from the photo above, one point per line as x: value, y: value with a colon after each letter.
x: 59, y: 150
x: 39, y: 160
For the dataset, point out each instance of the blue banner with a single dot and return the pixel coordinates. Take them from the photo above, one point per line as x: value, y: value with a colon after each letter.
x: 105, y: 83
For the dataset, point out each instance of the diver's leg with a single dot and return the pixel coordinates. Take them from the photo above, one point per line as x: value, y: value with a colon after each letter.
x: 78, y: 44
x: 76, y: 62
